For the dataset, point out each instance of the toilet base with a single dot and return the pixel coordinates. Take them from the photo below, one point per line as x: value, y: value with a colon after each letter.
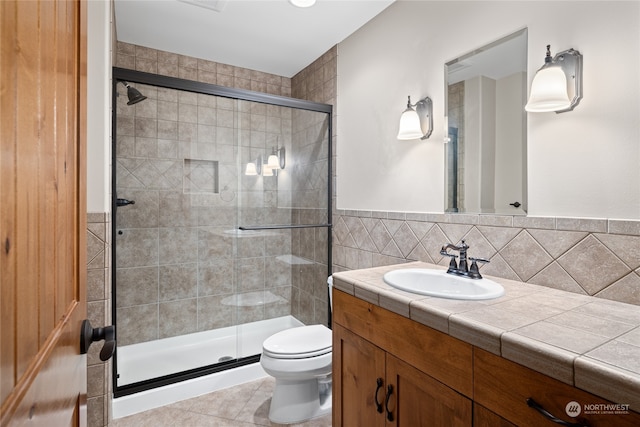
x: 295, y: 401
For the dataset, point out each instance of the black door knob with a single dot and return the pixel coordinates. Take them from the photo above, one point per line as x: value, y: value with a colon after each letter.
x: 89, y: 334
x: 515, y: 204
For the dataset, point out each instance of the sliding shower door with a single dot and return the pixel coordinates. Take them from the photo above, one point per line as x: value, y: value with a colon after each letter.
x: 283, y: 216
x: 221, y: 225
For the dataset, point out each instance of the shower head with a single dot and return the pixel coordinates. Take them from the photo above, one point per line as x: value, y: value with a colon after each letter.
x: 133, y: 94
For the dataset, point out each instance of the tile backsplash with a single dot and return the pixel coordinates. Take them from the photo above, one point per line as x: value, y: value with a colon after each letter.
x: 586, y: 256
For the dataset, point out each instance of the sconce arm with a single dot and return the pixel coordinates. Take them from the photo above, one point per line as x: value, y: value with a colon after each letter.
x: 424, y: 108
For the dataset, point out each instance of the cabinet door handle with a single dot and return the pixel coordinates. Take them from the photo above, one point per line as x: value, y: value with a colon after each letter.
x: 548, y: 415
x: 386, y: 404
x: 378, y: 404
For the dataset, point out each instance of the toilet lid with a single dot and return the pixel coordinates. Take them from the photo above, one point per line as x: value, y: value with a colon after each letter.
x: 298, y: 343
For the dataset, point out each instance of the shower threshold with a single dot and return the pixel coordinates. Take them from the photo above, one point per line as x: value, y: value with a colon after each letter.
x: 154, y: 359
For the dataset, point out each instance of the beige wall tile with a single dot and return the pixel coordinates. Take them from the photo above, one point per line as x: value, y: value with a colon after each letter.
x: 593, y: 265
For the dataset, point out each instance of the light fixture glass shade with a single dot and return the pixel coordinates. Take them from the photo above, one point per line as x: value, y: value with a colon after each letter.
x: 251, y: 169
x: 548, y: 91
x: 267, y: 171
x: 410, y: 125
x: 273, y: 162
x: 302, y: 3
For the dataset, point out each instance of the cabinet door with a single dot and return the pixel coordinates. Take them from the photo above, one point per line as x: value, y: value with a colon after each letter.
x: 419, y: 400
x: 358, y: 380
x: 482, y: 417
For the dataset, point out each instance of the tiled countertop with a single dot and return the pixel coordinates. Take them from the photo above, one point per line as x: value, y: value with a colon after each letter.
x: 587, y: 342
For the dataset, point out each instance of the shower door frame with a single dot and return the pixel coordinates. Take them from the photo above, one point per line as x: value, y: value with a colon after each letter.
x: 139, y: 77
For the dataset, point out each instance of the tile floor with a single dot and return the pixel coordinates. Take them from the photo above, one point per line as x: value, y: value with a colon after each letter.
x: 246, y: 405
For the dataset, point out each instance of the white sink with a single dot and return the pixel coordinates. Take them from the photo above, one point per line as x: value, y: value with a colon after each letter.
x: 438, y: 283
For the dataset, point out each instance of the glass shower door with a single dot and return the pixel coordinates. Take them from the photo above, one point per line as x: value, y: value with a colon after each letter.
x: 176, y: 168
x: 212, y: 255
x: 283, y: 256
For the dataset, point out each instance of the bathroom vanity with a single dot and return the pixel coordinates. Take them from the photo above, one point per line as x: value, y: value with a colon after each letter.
x: 408, y: 360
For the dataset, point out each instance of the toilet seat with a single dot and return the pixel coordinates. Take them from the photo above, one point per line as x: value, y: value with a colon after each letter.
x: 299, y: 343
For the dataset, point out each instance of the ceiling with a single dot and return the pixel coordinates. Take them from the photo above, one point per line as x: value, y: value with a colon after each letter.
x: 272, y: 36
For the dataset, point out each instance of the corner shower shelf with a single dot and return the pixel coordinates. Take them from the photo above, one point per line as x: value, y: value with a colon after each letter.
x: 294, y: 260
x: 252, y: 299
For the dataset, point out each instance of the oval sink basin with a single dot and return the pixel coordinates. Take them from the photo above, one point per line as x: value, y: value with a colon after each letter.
x: 438, y: 283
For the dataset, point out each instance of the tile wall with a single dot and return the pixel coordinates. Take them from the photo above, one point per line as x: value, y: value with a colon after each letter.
x: 154, y: 61
x: 318, y: 83
x: 596, y: 257
x: 99, y: 314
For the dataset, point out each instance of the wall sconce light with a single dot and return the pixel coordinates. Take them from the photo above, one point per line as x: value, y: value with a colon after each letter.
x: 275, y: 161
x: 412, y: 122
x: 302, y: 3
x: 277, y: 158
x: 254, y: 168
x: 557, y: 85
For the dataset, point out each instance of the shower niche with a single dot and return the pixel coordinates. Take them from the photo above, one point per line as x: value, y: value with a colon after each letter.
x: 200, y: 176
x: 215, y: 255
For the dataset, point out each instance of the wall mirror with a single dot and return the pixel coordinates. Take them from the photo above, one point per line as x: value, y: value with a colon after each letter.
x: 486, y: 149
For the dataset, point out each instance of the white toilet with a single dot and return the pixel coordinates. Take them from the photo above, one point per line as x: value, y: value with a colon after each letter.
x: 300, y: 361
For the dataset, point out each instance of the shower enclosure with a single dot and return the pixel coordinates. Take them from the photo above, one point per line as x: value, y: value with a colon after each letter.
x: 221, y: 225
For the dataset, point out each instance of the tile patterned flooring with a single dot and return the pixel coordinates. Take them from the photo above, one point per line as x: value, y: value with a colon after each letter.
x: 246, y: 405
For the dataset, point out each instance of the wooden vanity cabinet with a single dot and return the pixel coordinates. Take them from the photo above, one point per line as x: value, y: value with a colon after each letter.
x: 385, y: 368
x: 391, y: 371
x: 503, y: 387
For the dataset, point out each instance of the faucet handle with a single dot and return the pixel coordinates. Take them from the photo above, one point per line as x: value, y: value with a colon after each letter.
x: 474, y: 270
x: 453, y: 265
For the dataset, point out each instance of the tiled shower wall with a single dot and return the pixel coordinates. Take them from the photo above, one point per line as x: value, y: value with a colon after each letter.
x: 179, y: 258
x: 169, y: 148
x: 310, y: 199
x: 318, y: 83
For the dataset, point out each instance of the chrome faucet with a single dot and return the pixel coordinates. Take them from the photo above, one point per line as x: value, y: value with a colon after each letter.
x: 462, y: 268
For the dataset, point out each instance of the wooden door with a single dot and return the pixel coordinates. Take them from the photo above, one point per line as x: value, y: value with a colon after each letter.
x: 419, y: 400
x: 357, y: 367
x: 42, y: 212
